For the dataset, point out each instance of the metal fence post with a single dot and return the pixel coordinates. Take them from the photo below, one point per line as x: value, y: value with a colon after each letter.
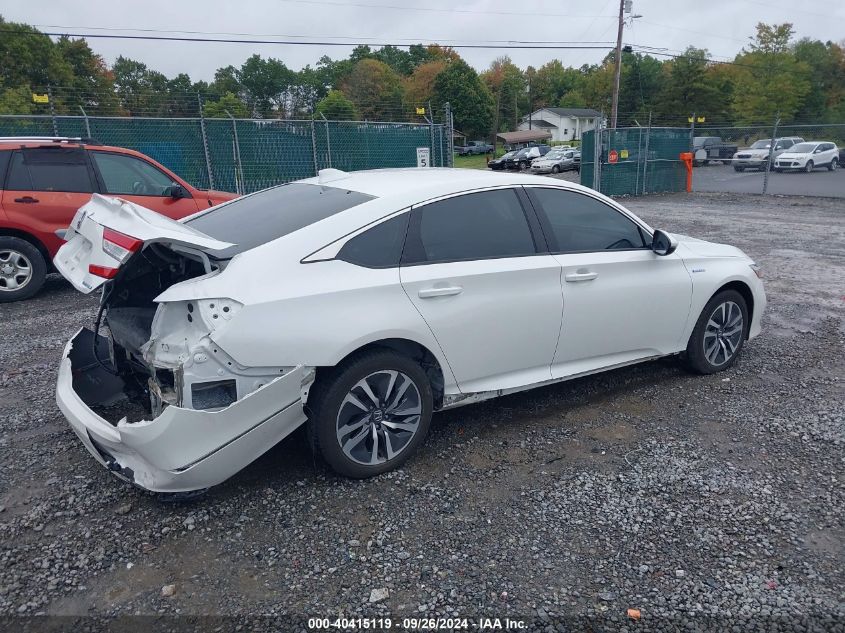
x: 314, y: 148
x: 87, y: 126
x: 450, y: 135
x: 205, y: 144
x: 771, y: 154
x: 431, y: 127
x: 598, y: 141
x: 328, y: 139
x: 240, y: 186
x: 692, y: 134
x: 52, y: 111
x: 645, y: 162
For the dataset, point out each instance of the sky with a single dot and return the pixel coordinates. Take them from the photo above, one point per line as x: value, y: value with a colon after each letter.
x: 721, y: 26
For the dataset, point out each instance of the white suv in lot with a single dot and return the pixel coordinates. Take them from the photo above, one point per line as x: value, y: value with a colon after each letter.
x: 359, y: 304
x: 807, y: 156
x: 757, y: 156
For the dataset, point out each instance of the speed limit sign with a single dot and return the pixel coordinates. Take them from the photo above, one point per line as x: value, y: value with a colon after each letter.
x: 423, y: 157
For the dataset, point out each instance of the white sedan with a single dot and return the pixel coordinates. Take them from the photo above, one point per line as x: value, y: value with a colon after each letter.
x: 359, y: 304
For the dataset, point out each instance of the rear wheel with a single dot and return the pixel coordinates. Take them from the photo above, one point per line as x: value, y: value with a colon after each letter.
x: 370, y: 414
x: 719, y: 334
x: 833, y: 164
x: 22, y: 269
x: 555, y: 169
x: 809, y: 166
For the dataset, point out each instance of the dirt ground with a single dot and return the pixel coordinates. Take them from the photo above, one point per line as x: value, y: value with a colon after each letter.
x: 693, y: 499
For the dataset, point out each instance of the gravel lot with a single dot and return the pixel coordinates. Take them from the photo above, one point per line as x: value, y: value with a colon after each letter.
x: 701, y: 501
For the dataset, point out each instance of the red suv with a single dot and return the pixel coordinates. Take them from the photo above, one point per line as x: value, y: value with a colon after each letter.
x: 43, y: 181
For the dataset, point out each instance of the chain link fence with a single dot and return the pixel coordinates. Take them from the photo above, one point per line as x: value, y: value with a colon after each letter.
x: 634, y: 161
x: 245, y: 155
x: 735, y: 159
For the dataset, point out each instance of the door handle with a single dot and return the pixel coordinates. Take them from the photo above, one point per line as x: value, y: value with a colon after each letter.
x: 27, y: 200
x: 445, y: 291
x: 579, y: 276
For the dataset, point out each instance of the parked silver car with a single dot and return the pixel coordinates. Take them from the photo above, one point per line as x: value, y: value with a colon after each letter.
x: 556, y: 161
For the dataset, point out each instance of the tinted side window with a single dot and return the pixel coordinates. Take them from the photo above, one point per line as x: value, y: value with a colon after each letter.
x: 578, y: 222
x: 4, y: 163
x: 378, y: 247
x: 473, y: 226
x: 124, y: 174
x: 60, y: 169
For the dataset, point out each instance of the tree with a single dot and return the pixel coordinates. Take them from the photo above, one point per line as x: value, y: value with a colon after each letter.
x: 826, y: 65
x: 773, y: 81
x: 420, y: 85
x: 507, y: 84
x: 266, y: 83
x: 336, y: 107
x: 471, y: 101
x: 224, y: 106
x: 553, y: 82
x: 375, y: 89
x: 641, y: 83
x: 91, y: 83
x: 142, y: 92
x: 686, y: 89
x: 29, y: 58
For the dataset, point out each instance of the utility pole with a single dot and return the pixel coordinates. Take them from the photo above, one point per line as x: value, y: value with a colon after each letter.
x: 614, y: 111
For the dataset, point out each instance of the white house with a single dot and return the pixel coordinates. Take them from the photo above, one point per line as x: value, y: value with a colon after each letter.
x: 565, y: 124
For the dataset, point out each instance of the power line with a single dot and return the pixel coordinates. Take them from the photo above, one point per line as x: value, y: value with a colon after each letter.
x: 327, y: 37
x: 220, y: 40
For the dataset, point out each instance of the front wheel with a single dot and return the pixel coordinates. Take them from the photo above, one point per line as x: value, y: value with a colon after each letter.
x: 719, y: 334
x: 833, y: 164
x: 809, y: 166
x: 739, y: 169
x: 370, y: 414
x: 22, y: 269
x: 555, y: 169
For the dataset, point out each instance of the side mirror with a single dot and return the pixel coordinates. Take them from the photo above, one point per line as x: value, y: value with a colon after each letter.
x: 176, y: 191
x: 663, y: 244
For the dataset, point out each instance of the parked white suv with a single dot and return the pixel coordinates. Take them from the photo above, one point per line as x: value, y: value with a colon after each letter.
x: 360, y: 304
x: 807, y: 156
x: 757, y: 156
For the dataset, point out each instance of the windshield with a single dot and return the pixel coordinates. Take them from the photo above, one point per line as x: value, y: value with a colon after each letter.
x: 761, y: 145
x: 269, y: 214
x: 522, y: 152
x: 803, y: 148
x: 508, y: 155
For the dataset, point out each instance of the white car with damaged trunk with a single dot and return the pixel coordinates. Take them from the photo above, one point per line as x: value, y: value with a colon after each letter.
x: 359, y: 304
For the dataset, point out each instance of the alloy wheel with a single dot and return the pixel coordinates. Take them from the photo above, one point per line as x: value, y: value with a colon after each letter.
x: 723, y: 333
x: 379, y: 417
x: 15, y: 270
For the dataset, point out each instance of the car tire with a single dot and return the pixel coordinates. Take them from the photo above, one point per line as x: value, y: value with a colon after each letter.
x: 717, y: 338
x: 780, y: 171
x: 335, y: 404
x: 809, y: 166
x: 834, y: 163
x: 739, y: 169
x: 22, y: 269
x: 555, y: 169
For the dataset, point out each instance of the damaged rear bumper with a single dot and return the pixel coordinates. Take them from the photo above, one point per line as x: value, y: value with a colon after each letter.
x: 181, y: 449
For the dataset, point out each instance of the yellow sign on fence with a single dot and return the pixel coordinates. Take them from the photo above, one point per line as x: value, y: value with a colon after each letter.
x: 45, y: 98
x: 623, y: 153
x: 420, y: 110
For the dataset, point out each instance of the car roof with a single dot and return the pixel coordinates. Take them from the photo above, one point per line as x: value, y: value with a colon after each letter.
x: 418, y: 184
x: 18, y: 142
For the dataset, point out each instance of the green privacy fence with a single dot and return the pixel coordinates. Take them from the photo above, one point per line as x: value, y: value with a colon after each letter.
x: 634, y: 161
x: 245, y: 155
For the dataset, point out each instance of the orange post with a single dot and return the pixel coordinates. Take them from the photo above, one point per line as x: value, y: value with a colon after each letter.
x: 687, y: 158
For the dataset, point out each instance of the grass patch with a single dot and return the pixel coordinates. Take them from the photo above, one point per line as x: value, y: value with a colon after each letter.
x: 471, y: 162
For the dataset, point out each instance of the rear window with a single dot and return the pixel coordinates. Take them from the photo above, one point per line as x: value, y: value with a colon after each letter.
x: 267, y: 215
